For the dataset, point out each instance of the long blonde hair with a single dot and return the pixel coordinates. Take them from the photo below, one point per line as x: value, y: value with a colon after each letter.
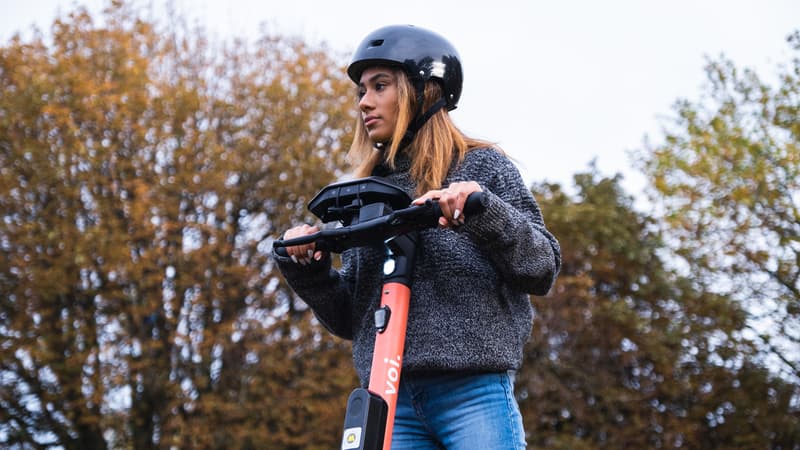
x: 434, y: 148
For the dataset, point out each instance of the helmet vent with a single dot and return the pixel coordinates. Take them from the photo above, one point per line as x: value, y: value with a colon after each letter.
x: 376, y: 43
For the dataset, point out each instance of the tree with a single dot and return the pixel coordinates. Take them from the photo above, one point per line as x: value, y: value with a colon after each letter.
x: 143, y: 175
x: 726, y: 181
x: 627, y: 353
x: 727, y: 175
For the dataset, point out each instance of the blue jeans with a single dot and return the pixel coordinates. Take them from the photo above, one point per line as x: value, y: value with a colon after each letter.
x: 457, y: 412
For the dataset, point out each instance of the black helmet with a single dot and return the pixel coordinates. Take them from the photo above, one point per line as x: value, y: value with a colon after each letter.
x: 421, y: 53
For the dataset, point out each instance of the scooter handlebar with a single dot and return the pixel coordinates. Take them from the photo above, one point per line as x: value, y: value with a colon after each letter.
x: 379, y: 229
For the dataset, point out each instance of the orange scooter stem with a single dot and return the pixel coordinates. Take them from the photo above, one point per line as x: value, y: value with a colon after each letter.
x: 369, y: 419
x: 387, y: 360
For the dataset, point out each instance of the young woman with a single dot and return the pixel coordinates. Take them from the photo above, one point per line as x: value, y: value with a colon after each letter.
x: 470, y: 313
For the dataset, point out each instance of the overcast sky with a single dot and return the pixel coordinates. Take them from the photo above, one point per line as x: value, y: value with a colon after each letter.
x: 555, y: 83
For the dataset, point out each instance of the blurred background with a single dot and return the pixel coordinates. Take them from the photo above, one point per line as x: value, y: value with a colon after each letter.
x: 150, y: 152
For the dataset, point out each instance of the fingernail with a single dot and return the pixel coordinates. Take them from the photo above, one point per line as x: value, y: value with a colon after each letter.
x: 294, y: 258
x: 310, y: 254
x: 318, y: 256
x: 456, y: 213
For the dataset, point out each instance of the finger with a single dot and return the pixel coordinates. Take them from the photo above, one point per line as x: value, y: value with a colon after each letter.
x: 448, y: 204
x: 430, y: 195
x: 458, y: 218
x: 300, y: 254
x: 303, y: 251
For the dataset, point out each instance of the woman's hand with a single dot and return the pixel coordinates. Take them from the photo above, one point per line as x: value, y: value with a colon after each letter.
x: 302, y: 254
x: 451, y: 201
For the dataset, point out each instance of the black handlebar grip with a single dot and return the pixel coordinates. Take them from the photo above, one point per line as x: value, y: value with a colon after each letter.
x: 474, y: 203
x: 281, y: 251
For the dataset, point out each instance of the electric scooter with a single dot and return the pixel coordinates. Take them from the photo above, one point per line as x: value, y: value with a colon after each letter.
x: 374, y: 211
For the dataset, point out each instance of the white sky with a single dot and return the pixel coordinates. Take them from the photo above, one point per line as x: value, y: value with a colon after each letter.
x: 555, y: 83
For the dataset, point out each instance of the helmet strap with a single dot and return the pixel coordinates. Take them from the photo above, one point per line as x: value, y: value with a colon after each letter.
x: 420, y: 119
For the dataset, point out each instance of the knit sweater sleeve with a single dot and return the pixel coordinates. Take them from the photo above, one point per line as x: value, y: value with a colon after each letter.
x: 511, y: 230
x: 326, y: 290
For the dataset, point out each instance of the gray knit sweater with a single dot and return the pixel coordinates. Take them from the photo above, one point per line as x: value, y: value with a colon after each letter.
x: 469, y: 308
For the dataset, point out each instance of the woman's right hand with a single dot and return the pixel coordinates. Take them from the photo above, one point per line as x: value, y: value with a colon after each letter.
x: 302, y: 254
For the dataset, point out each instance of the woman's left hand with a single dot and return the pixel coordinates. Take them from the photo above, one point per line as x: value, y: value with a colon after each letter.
x: 451, y: 201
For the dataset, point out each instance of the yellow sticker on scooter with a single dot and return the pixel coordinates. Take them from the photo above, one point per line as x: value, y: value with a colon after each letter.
x: 351, y: 438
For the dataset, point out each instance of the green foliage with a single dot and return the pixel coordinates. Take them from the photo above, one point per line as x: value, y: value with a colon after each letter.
x: 626, y: 353
x: 143, y: 175
x: 727, y: 181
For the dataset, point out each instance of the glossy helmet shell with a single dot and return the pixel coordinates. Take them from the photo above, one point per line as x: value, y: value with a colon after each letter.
x: 421, y: 53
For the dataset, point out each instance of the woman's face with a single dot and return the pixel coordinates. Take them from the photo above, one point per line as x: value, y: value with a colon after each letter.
x: 377, y: 92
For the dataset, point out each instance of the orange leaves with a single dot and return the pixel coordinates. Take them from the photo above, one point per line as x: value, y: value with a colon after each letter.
x: 142, y: 177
